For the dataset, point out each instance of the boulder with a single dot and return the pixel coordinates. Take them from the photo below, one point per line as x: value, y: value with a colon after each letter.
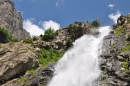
x: 15, y: 59
x: 41, y: 77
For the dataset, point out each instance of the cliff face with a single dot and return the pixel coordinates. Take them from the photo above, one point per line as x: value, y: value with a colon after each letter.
x: 11, y: 20
x: 115, y: 58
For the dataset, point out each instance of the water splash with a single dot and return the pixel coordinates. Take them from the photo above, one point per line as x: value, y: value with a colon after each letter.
x: 79, y: 65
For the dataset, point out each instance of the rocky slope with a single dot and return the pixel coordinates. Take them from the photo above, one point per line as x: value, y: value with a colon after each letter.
x: 65, y: 36
x: 20, y: 64
x: 42, y: 75
x: 11, y: 20
x: 115, y: 58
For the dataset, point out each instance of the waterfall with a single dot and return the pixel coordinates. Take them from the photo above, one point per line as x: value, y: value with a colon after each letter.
x: 79, y: 65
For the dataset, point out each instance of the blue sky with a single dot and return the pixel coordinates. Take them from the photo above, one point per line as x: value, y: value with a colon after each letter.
x: 60, y: 13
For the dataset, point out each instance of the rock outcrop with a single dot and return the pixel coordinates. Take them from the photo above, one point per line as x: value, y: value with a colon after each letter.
x: 65, y: 36
x: 15, y: 59
x: 11, y: 20
x: 39, y: 78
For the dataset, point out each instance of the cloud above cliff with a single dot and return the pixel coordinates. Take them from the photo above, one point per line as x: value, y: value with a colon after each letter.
x: 33, y: 29
x: 114, y: 16
x: 36, y: 30
x: 50, y: 24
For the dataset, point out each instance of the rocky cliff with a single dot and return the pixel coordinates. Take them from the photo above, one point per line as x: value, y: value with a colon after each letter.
x: 11, y: 20
x: 115, y: 57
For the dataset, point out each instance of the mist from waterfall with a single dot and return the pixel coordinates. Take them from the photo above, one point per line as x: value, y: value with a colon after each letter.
x: 79, y: 65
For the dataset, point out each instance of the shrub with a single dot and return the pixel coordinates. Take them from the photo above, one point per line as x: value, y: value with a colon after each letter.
x: 48, y: 56
x: 72, y: 26
x: 119, y: 31
x: 35, y: 38
x: 128, y: 38
x: 49, y: 34
x: 28, y: 40
x: 6, y: 37
x: 96, y: 23
x: 69, y: 43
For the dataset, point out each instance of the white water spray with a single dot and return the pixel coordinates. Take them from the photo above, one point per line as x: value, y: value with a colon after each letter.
x: 79, y: 65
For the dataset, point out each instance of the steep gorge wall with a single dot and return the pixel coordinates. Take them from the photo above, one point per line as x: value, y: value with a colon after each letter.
x: 11, y: 20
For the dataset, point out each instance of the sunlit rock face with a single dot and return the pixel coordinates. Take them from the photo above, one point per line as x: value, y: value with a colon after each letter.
x: 15, y: 59
x: 11, y: 20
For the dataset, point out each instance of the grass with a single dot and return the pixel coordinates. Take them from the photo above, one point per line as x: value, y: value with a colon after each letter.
x: 127, y: 48
x: 21, y: 80
x: 119, y: 31
x: 28, y: 40
x: 125, y: 66
x: 49, y: 56
x: 31, y: 71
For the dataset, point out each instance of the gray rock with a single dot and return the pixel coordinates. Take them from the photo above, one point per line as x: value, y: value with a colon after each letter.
x: 11, y: 20
x: 110, y: 61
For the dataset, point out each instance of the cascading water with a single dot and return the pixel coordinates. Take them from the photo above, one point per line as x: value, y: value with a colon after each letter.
x: 79, y: 65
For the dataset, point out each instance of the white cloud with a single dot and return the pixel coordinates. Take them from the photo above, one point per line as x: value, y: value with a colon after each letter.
x: 50, y: 24
x: 114, y: 16
x: 36, y: 30
x: 58, y: 2
x: 111, y: 6
x: 33, y: 29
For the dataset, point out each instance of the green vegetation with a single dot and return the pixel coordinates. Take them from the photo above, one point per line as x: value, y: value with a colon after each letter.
x: 128, y: 21
x: 96, y: 23
x: 21, y: 80
x: 48, y: 56
x: 125, y: 65
x: 127, y: 48
x: 69, y: 44
x: 119, y: 31
x: 28, y: 40
x: 72, y: 26
x: 31, y: 71
x: 114, y: 44
x: 6, y: 37
x: 49, y: 34
x: 128, y: 38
